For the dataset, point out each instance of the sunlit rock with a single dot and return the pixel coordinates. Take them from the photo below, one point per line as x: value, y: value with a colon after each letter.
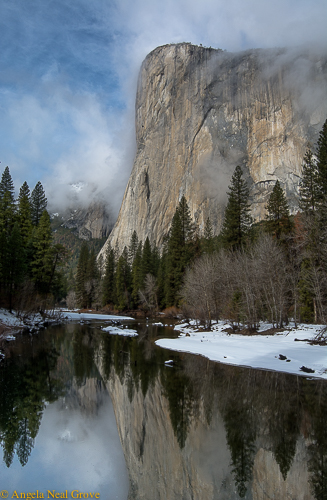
x: 200, y: 112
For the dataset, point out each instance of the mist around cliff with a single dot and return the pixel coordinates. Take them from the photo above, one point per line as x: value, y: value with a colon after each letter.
x: 301, y: 71
x: 69, y: 71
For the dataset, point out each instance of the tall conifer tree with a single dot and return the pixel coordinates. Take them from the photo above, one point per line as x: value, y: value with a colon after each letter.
x: 309, y: 185
x: 137, y: 274
x: 237, y: 220
x: 81, y: 276
x: 147, y: 267
x: 7, y: 202
x: 322, y: 160
x: 132, y: 249
x: 38, y: 203
x: 180, y: 251
x: 108, y: 283
x: 15, y: 266
x: 6, y: 184
x: 43, y: 265
x: 92, y: 279
x: 24, y: 213
x: 123, y: 281
x: 278, y: 221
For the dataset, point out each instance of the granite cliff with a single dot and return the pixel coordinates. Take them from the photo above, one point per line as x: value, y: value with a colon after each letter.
x: 202, y: 111
x: 94, y: 221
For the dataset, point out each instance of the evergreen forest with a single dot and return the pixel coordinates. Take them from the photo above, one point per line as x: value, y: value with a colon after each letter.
x: 274, y: 270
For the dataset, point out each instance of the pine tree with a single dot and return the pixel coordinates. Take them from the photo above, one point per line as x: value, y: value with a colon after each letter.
x: 92, y: 280
x: 162, y: 276
x: 175, y: 261
x: 155, y: 259
x: 123, y: 281
x: 187, y: 226
x: 6, y: 184
x: 24, y: 214
x: 309, y: 185
x: 43, y: 263
x: 147, y: 267
x: 132, y: 249
x: 38, y: 203
x: 81, y: 276
x: 15, y: 266
x: 108, y: 283
x: 278, y: 220
x: 7, y: 202
x: 322, y: 160
x: 137, y: 274
x: 181, y: 249
x: 7, y: 212
x: 237, y: 220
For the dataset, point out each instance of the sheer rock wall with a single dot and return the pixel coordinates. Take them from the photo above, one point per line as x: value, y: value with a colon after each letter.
x: 199, y: 113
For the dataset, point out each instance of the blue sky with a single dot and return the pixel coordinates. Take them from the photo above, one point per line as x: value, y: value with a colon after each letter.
x: 68, y: 72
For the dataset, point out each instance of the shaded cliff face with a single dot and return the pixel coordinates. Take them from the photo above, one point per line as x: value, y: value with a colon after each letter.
x: 92, y: 222
x: 199, y: 113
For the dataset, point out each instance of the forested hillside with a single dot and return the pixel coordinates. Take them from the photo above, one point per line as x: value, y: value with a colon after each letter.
x: 272, y: 270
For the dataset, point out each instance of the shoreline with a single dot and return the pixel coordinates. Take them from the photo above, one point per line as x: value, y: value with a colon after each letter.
x: 288, y: 351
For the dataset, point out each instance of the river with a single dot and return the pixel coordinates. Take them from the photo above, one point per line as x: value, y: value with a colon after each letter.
x: 86, y: 414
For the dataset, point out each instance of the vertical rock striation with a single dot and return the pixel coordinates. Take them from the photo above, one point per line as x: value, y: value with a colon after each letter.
x: 203, y: 469
x: 199, y: 113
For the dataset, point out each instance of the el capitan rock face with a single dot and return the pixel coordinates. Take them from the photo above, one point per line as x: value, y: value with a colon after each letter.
x: 199, y: 113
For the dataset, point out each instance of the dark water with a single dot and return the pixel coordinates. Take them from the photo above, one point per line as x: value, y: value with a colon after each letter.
x: 84, y: 410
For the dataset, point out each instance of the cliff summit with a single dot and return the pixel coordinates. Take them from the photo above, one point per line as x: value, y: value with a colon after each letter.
x: 199, y: 113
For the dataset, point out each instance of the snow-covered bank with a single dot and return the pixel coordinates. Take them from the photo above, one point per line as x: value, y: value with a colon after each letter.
x: 87, y: 316
x: 112, y: 329
x: 115, y: 330
x: 13, y: 322
x: 10, y: 320
x: 285, y: 351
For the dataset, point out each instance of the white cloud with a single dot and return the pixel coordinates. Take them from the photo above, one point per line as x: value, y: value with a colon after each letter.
x: 69, y: 73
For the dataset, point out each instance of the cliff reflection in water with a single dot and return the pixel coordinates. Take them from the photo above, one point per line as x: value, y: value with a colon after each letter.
x: 201, y: 430
x: 197, y: 430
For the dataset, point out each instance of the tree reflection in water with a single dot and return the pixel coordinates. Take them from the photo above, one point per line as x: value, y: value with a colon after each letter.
x: 26, y: 384
x: 259, y: 409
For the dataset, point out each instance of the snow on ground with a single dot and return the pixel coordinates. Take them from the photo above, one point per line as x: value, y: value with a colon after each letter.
x: 10, y: 319
x: 257, y: 351
x: 115, y: 330
x: 15, y: 321
x: 83, y: 316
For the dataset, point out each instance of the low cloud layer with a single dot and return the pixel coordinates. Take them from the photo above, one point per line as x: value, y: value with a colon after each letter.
x: 69, y: 71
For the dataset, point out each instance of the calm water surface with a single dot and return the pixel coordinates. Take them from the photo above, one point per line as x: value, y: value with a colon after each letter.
x: 84, y: 410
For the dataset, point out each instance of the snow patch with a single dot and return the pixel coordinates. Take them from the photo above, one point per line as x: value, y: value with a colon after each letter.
x: 105, y: 317
x: 280, y: 352
x: 115, y: 330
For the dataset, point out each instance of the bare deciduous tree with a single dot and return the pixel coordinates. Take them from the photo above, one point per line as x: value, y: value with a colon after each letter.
x: 201, y: 288
x: 273, y: 275
x: 149, y: 295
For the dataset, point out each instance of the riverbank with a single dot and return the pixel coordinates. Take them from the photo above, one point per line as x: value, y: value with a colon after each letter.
x: 290, y: 350
x: 13, y: 323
